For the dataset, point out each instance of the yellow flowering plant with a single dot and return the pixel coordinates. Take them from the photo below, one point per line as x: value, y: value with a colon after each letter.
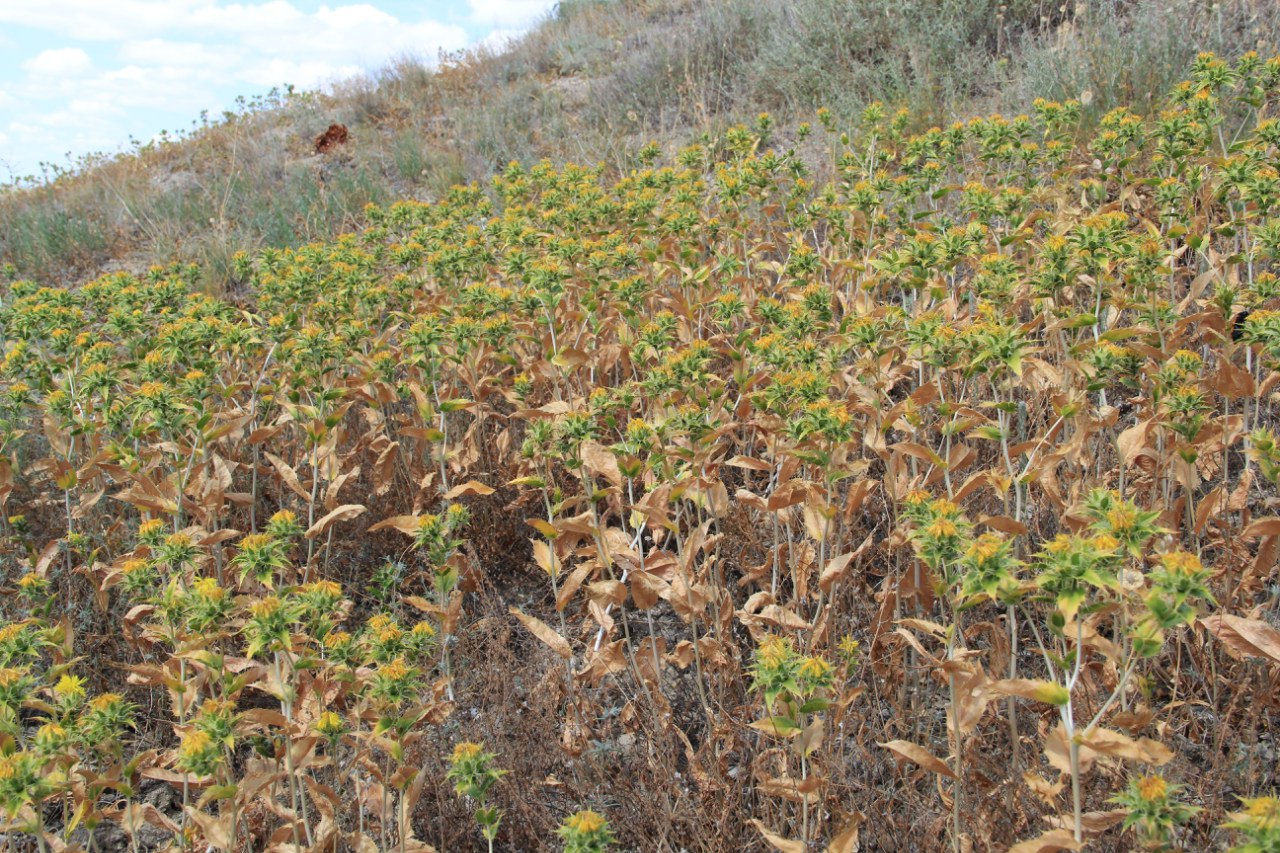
x: 586, y: 831
x: 473, y: 774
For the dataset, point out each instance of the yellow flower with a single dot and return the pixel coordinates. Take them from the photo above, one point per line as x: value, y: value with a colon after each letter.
x: 335, y: 639
x: 396, y: 670
x: 465, y: 751
x: 105, y: 701
x: 329, y: 724
x: 256, y: 541
x: 69, y: 687
x: 1181, y: 562
x: 585, y: 822
x: 942, y: 528
x: 1152, y: 788
x: 985, y: 547
x: 151, y: 527
x: 1105, y: 543
x: 329, y: 589
x: 916, y: 497
x: 1265, y: 811
x: 207, y: 588
x: 194, y: 745
x: 266, y: 607
x: 942, y: 506
x: 50, y: 736
x: 284, y: 516
x: 1060, y: 544
x: 1122, y: 517
x: 773, y: 652
x: 814, y: 668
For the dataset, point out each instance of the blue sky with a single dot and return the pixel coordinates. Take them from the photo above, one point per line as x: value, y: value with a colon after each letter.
x: 82, y: 76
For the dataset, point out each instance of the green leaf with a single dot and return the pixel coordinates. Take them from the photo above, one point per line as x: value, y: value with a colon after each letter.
x: 778, y: 726
x: 813, y: 706
x: 1069, y: 602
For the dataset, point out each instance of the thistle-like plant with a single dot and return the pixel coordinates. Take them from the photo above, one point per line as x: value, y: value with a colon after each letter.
x: 586, y: 831
x: 473, y: 774
x: 1155, y: 811
x: 1258, y: 825
x: 795, y: 688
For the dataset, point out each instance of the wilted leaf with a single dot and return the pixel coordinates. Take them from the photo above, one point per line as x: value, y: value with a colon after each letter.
x: 1050, y: 842
x: 544, y: 632
x: 1048, y: 692
x: 790, y: 788
x: 1251, y: 637
x: 1120, y: 745
x: 346, y: 512
x: 846, y: 840
x: 216, y: 830
x: 782, y: 845
x: 1133, y: 441
x: 911, y: 448
x: 1045, y: 790
x: 919, y: 755
x: 406, y: 524
x: 1234, y: 382
x: 1092, y: 823
x: 544, y: 558
x: 1057, y: 751
x: 811, y: 737
x: 546, y: 528
x: 1262, y: 527
x: 835, y: 570
x: 471, y: 487
x: 288, y: 476
x: 601, y: 462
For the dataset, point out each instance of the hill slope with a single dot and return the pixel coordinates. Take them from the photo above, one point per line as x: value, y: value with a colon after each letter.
x: 932, y: 506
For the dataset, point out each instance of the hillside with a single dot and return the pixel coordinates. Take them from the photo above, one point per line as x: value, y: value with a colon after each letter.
x: 593, y: 84
x: 835, y: 480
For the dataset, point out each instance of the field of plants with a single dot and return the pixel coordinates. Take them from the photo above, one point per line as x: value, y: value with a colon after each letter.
x: 713, y: 507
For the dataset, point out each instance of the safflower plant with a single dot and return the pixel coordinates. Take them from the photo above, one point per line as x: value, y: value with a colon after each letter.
x: 720, y: 467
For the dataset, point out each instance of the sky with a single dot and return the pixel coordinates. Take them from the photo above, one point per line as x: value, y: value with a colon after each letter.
x: 82, y: 76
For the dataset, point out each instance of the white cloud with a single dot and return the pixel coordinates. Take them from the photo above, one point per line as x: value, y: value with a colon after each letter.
x: 168, y: 60
x: 94, y: 20
x: 511, y: 14
x: 58, y: 62
x: 158, y: 51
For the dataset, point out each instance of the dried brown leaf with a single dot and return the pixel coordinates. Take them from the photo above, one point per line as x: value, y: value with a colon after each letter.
x: 544, y: 632
x: 1050, y: 842
x: 782, y: 845
x: 1241, y: 636
x: 346, y: 512
x: 919, y: 755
